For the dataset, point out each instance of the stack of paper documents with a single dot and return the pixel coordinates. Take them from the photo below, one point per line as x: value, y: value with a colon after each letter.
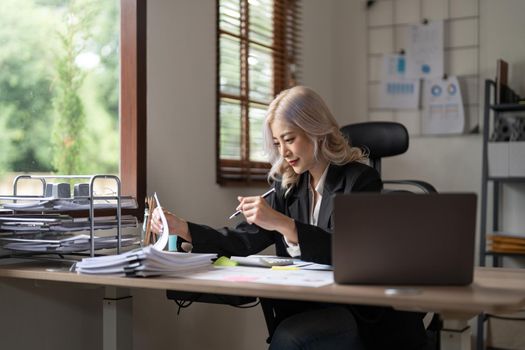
x: 144, y: 262
x: 149, y: 261
x: 27, y: 223
x: 48, y: 204
x: 63, y: 244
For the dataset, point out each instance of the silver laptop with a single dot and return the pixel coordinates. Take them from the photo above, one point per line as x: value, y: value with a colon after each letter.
x: 404, y: 238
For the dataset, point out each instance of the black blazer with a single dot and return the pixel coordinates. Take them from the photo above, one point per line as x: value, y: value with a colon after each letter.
x: 381, y: 328
x: 315, y: 241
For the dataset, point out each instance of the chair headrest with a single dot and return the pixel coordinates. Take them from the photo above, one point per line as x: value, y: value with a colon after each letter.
x: 382, y: 139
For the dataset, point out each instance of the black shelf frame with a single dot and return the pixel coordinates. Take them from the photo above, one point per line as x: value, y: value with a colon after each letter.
x: 507, y: 107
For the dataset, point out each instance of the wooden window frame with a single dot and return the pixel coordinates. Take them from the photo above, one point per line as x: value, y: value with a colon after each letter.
x: 244, y: 172
x: 133, y: 101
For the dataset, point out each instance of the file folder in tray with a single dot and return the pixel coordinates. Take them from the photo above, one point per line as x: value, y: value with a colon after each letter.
x: 39, y: 224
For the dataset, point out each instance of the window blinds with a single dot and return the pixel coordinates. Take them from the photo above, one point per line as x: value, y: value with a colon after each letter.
x: 257, y: 57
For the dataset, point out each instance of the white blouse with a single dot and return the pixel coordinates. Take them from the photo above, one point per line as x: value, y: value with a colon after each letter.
x: 294, y: 249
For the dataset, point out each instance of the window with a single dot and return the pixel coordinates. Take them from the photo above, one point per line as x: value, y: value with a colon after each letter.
x: 59, y: 85
x: 257, y: 57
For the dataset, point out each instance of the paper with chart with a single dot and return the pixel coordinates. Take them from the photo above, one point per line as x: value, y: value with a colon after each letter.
x: 425, y: 50
x: 443, y: 111
x: 397, y: 91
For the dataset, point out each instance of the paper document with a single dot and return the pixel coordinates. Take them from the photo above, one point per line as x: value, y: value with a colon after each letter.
x: 63, y: 243
x: 272, y: 260
x: 297, y: 277
x: 73, y: 204
x: 163, y: 239
x: 27, y: 224
x: 443, y: 111
x: 425, y: 50
x: 396, y: 90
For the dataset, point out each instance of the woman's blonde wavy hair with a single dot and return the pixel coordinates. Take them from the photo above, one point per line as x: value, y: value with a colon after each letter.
x: 302, y: 108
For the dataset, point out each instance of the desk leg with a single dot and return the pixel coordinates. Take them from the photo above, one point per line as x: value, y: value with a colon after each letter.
x: 117, y: 332
x: 455, y: 335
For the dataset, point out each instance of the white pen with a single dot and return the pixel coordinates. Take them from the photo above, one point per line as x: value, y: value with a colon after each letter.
x: 264, y: 195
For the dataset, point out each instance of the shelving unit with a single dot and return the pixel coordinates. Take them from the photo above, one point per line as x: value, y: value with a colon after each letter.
x: 491, y: 113
x: 88, y: 203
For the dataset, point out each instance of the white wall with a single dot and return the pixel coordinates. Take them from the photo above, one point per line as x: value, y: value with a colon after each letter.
x: 318, y: 50
x: 181, y: 168
x: 334, y: 39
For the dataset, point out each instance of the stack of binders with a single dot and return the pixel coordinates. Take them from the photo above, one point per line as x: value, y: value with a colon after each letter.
x: 506, y: 243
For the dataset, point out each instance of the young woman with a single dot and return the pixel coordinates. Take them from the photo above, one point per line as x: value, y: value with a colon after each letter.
x: 311, y: 161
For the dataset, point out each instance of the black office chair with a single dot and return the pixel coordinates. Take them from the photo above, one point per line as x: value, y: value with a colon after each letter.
x: 379, y: 140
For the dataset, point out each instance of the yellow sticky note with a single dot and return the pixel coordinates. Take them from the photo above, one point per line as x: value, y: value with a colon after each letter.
x: 225, y: 261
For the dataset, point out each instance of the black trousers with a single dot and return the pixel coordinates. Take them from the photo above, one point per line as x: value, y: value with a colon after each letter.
x: 379, y: 327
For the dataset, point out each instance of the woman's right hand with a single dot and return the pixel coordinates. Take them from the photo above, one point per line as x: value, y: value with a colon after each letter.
x: 176, y: 225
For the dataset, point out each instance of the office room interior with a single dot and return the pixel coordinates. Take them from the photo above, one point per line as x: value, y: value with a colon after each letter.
x: 181, y: 107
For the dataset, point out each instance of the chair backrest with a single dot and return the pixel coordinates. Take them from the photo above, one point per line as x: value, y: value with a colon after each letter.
x: 380, y: 139
x: 383, y: 139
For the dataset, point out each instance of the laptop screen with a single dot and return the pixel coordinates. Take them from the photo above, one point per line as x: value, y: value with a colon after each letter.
x: 404, y: 238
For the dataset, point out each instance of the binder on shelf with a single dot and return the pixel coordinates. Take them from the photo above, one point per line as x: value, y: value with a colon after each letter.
x: 504, y: 94
x: 500, y: 242
x: 502, y: 70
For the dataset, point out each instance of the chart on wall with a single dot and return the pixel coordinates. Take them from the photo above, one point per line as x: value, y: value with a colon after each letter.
x: 443, y: 107
x: 397, y: 90
x: 425, y: 50
x: 414, y: 45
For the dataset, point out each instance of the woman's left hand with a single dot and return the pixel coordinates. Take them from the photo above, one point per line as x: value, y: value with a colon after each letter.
x: 257, y: 211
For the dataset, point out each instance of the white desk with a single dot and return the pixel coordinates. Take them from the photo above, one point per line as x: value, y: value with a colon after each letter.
x: 493, y: 291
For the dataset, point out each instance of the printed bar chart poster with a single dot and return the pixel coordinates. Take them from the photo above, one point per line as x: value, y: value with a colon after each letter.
x: 425, y: 50
x: 442, y: 107
x: 396, y: 91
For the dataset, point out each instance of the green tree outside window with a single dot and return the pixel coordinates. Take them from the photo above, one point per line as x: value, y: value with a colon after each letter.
x: 59, y: 62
